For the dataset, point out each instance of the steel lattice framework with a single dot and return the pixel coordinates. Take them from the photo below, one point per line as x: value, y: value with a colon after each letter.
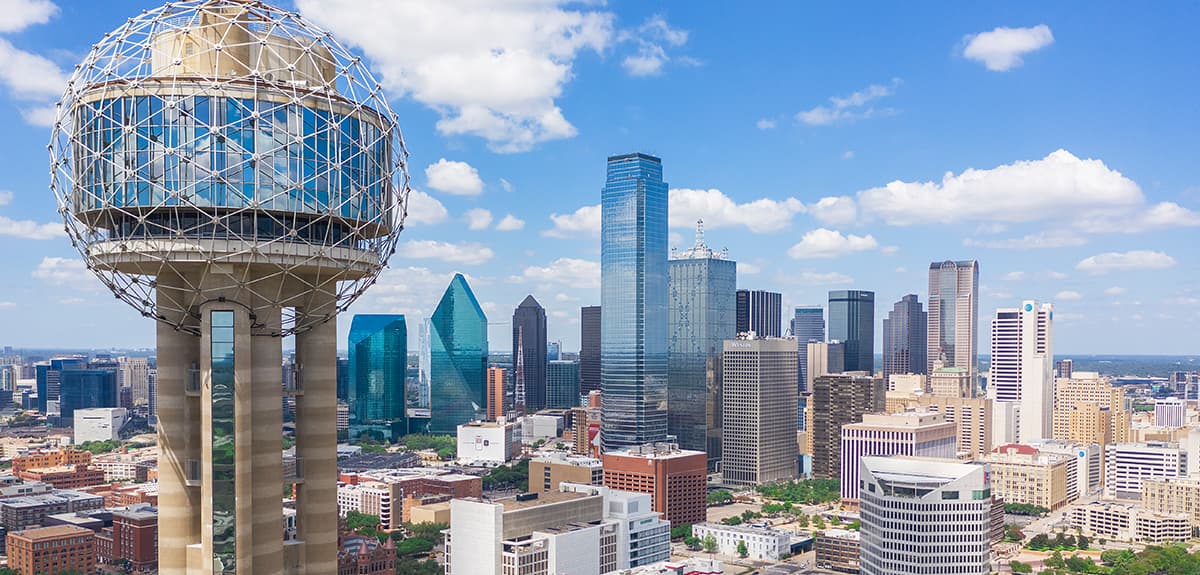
x: 228, y: 137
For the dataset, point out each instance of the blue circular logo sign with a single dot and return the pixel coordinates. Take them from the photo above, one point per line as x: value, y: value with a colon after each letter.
x: 1028, y: 307
x: 1083, y: 454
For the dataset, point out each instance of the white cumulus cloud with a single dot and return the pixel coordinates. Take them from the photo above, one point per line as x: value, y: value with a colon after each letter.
x: 1001, y: 49
x: 457, y: 178
x: 478, y: 219
x: 424, y: 209
x: 826, y: 243
x: 584, y: 222
x: 652, y: 38
x: 510, y: 223
x: 1124, y: 261
x: 30, y: 230
x: 570, y: 272
x: 856, y: 106
x: 491, y: 69
x: 765, y: 124
x: 17, y: 15
x: 1068, y: 295
x: 718, y: 210
x: 1115, y: 290
x: 65, y: 271
x: 835, y: 211
x: 464, y: 253
x: 1052, y: 239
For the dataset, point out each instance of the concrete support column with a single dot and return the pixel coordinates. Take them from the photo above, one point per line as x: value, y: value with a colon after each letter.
x: 265, y: 459
x: 316, y: 442
x: 178, y: 417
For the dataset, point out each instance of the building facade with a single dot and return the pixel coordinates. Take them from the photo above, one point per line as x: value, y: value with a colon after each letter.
x: 589, y: 349
x: 675, y: 479
x: 57, y: 549
x: 548, y: 471
x: 1170, y: 412
x: 808, y: 325
x: 972, y: 416
x: 562, y: 384
x: 529, y: 369
x: 837, y: 400
x: 1121, y: 521
x: 458, y: 353
x: 759, y: 311
x: 1128, y: 465
x: 911, y: 433
x: 702, y: 285
x: 1023, y: 474
x: 99, y: 424
x: 1022, y: 367
x: 1089, y: 409
x: 759, y: 400
x: 496, y: 378
x: 762, y: 543
x: 852, y: 322
x: 924, y: 516
x: 904, y: 338
x: 953, y: 316
x: 633, y: 299
x: 378, y: 364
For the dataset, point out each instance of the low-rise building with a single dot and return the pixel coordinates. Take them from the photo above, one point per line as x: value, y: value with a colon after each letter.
x: 57, y: 549
x: 762, y: 543
x: 1130, y: 522
x: 50, y: 458
x: 837, y: 550
x: 1175, y: 495
x: 487, y: 443
x: 1023, y: 474
x: 19, y: 513
x: 431, y: 513
x: 676, y: 479
x: 546, y: 472
x: 1127, y: 465
x: 99, y: 424
x: 540, y: 427
x: 64, y: 476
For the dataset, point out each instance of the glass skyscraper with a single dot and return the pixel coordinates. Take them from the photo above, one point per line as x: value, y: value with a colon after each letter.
x: 633, y: 298
x: 852, y: 322
x: 760, y: 311
x: 702, y: 290
x: 562, y: 384
x: 529, y: 338
x: 808, y: 324
x: 953, y: 322
x: 85, y: 388
x: 589, y: 348
x: 904, y: 338
x: 378, y: 363
x: 458, y: 353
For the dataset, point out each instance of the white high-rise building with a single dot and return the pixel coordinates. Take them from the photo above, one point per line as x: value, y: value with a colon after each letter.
x: 1127, y: 465
x: 1170, y: 412
x: 923, y: 516
x: 759, y: 411
x: 916, y: 433
x: 1022, y: 368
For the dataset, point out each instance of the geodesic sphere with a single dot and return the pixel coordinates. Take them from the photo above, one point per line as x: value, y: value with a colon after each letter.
x: 229, y: 149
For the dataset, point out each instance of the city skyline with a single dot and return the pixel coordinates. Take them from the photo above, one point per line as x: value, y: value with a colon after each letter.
x: 780, y: 193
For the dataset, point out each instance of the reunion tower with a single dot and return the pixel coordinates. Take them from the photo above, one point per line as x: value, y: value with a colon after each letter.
x: 231, y: 171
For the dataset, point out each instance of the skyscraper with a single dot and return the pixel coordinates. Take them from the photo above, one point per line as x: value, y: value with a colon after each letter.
x: 837, y: 400
x: 589, y: 348
x: 562, y: 384
x: 1022, y: 368
x: 808, y: 324
x: 94, y: 386
x: 458, y: 353
x: 49, y: 380
x: 759, y: 311
x: 702, y: 284
x: 852, y: 322
x: 953, y: 318
x: 495, y: 392
x: 904, y: 338
x: 378, y: 364
x: 529, y: 339
x: 759, y: 436
x: 135, y: 374
x: 633, y: 298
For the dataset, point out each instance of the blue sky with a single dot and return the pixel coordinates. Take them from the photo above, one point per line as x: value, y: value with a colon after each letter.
x: 828, y: 146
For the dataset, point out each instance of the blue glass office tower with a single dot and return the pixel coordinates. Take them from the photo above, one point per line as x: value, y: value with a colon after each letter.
x: 458, y: 352
x: 49, y: 378
x: 378, y: 347
x: 86, y: 388
x: 562, y: 384
x: 808, y: 324
x: 702, y: 288
x: 633, y: 302
x: 852, y: 322
x: 904, y: 337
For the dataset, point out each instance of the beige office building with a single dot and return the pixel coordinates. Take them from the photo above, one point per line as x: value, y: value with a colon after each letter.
x: 972, y: 416
x: 1176, y: 495
x: 951, y: 382
x: 548, y: 471
x: 1022, y: 474
x: 759, y: 411
x: 1089, y: 409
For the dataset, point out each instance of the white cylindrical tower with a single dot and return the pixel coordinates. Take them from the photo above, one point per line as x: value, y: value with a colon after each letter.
x: 230, y: 170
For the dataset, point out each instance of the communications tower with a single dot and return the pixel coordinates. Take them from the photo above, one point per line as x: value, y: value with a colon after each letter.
x: 231, y: 171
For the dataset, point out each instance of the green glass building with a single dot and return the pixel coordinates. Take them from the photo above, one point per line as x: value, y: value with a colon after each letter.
x: 378, y: 364
x: 458, y: 353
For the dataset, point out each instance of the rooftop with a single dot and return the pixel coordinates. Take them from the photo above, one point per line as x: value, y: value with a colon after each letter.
x: 656, y: 451
x: 52, y: 532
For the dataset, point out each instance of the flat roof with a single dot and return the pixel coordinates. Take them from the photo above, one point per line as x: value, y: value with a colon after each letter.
x: 52, y: 532
x: 548, y: 498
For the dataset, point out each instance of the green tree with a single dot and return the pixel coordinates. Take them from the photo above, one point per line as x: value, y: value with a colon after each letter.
x: 802, y: 520
x: 1055, y: 560
x: 426, y: 530
x: 515, y: 476
x: 743, y: 552
x: 818, y: 522
x: 1018, y: 567
x: 709, y: 543
x: 734, y: 520
x: 1117, y: 557
x: 1040, y: 542
x: 414, y: 546
x: 356, y: 521
x: 1082, y: 542
x: 410, y: 566
x: 681, y: 531
x: 693, y: 543
x: 720, y: 497
x: 809, y: 491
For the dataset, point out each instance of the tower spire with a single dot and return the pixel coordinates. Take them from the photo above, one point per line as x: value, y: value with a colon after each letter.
x: 700, y: 233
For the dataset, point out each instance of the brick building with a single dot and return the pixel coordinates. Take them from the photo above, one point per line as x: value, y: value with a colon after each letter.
x: 52, y: 550
x: 674, y: 478
x: 133, y: 538
x: 64, y: 476
x: 50, y: 458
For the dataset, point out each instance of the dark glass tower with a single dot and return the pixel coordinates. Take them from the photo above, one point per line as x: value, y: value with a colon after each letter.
x: 562, y: 384
x: 808, y: 324
x: 760, y: 312
x: 702, y: 288
x: 458, y: 352
x: 852, y: 322
x: 529, y: 338
x: 904, y: 338
x: 378, y: 363
x: 85, y: 388
x: 633, y: 298
x: 953, y: 320
x: 49, y: 378
x: 589, y: 349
